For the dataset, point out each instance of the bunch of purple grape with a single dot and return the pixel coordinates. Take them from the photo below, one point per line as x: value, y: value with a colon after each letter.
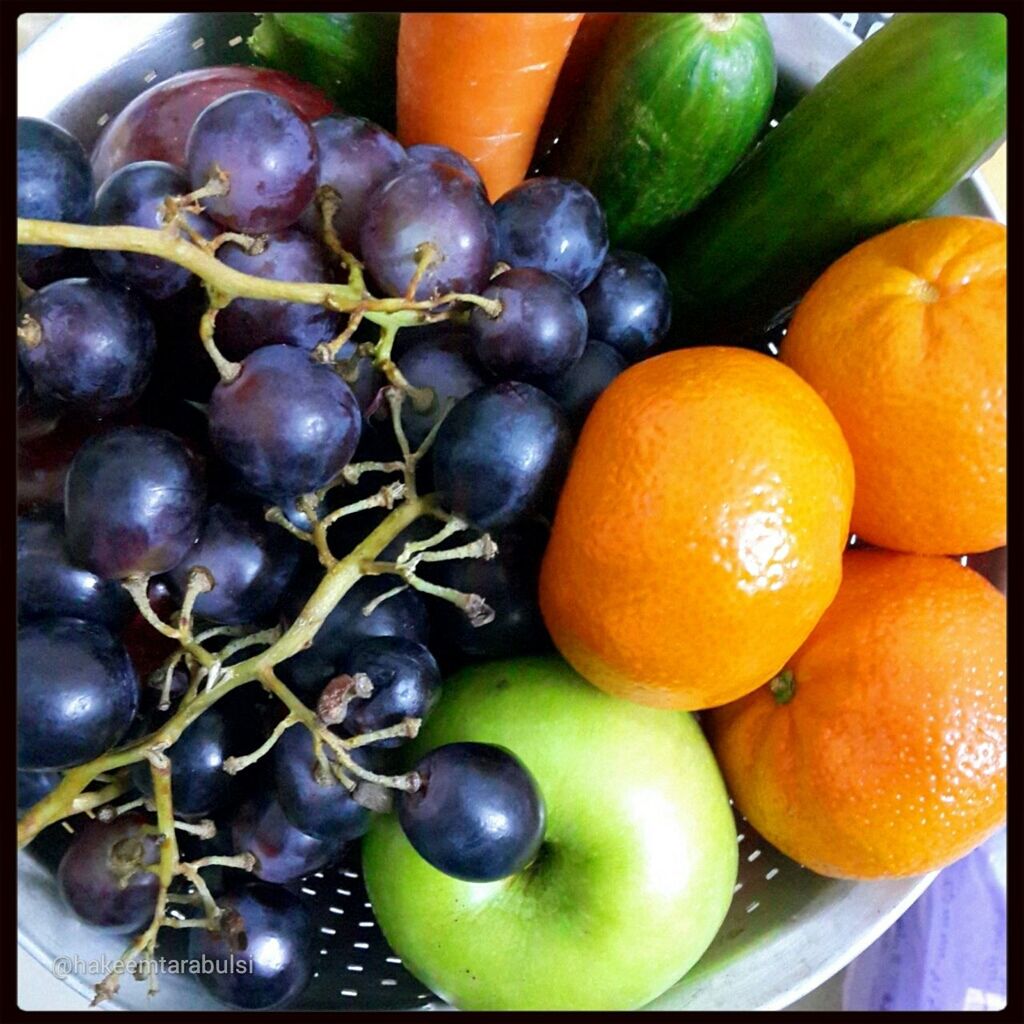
x: 172, y: 468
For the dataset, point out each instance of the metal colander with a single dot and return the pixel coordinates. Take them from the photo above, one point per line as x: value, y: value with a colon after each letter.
x: 787, y: 931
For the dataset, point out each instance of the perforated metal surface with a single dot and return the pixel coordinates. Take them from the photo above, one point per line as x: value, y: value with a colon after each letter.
x: 787, y: 930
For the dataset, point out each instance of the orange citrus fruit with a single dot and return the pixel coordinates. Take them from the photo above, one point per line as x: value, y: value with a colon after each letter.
x: 881, y: 751
x: 905, y: 339
x: 699, y: 535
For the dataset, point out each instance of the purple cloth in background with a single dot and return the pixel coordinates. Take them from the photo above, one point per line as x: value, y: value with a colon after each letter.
x: 948, y: 951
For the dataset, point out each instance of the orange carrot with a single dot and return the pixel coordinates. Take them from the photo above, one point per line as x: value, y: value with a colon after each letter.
x: 481, y: 83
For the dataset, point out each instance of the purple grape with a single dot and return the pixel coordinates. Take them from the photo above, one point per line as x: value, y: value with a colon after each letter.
x: 134, y: 196
x: 249, y: 324
x: 478, y: 814
x: 54, y: 183
x: 579, y: 388
x: 49, y: 586
x: 95, y: 348
x: 133, y: 502
x: 77, y: 693
x: 282, y: 851
x: 540, y: 332
x: 428, y: 153
x: 501, y: 454
x: 628, y: 304
x: 33, y: 786
x: 355, y: 157
x: 406, y: 684
x: 286, y: 425
x: 508, y: 583
x: 252, y: 563
x: 444, y: 363
x: 429, y: 203
x: 103, y: 875
x: 269, y: 154
x: 554, y: 225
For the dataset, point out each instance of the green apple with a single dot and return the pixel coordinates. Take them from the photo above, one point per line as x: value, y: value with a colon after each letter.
x: 633, y: 879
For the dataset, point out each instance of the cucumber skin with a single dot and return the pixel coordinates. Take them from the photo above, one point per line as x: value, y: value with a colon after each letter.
x: 351, y: 57
x: 672, y: 106
x: 886, y: 134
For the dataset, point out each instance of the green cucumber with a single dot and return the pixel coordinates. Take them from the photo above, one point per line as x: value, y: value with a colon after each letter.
x: 673, y: 103
x: 351, y: 57
x: 877, y: 142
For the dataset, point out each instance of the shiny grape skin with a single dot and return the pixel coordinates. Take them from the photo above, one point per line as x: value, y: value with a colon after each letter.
x: 54, y: 183
x: 50, y: 586
x: 478, y: 814
x: 403, y: 615
x: 501, y: 454
x: 540, y: 332
x: 628, y: 304
x: 508, y: 583
x: 91, y: 883
x: 33, y: 786
x: 429, y: 203
x: 283, y: 852
x: 579, y: 388
x: 555, y: 225
x: 278, y: 950
x: 356, y: 156
x: 248, y: 324
x: 286, y: 425
x: 134, y: 500
x: 133, y: 196
x: 155, y: 125
x: 97, y: 345
x: 444, y: 363
x: 406, y: 684
x: 328, y: 813
x: 252, y: 563
x: 429, y: 153
x: 77, y: 693
x: 199, y: 785
x: 269, y: 154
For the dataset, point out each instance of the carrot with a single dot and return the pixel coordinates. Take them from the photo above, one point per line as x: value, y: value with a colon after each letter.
x: 480, y: 84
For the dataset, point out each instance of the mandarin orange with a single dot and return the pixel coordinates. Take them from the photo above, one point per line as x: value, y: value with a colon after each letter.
x: 699, y: 535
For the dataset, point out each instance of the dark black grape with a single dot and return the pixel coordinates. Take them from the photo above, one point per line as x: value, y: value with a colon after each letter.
x: 199, y: 785
x: 103, y: 876
x: 579, y: 388
x: 428, y: 153
x: 282, y: 851
x: 478, y: 814
x: 501, y: 454
x: 355, y: 157
x: 628, y: 304
x: 77, y: 693
x: 554, y: 225
x: 252, y: 563
x: 436, y: 204
x: 249, y: 324
x: 49, y: 586
x: 277, y: 952
x: 406, y: 684
x: 94, y: 348
x: 324, y: 811
x: 444, y: 363
x: 540, y: 332
x: 268, y: 153
x: 54, y: 183
x: 402, y: 615
x: 33, y: 786
x: 508, y: 583
x: 133, y: 502
x: 134, y: 196
x: 287, y: 425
